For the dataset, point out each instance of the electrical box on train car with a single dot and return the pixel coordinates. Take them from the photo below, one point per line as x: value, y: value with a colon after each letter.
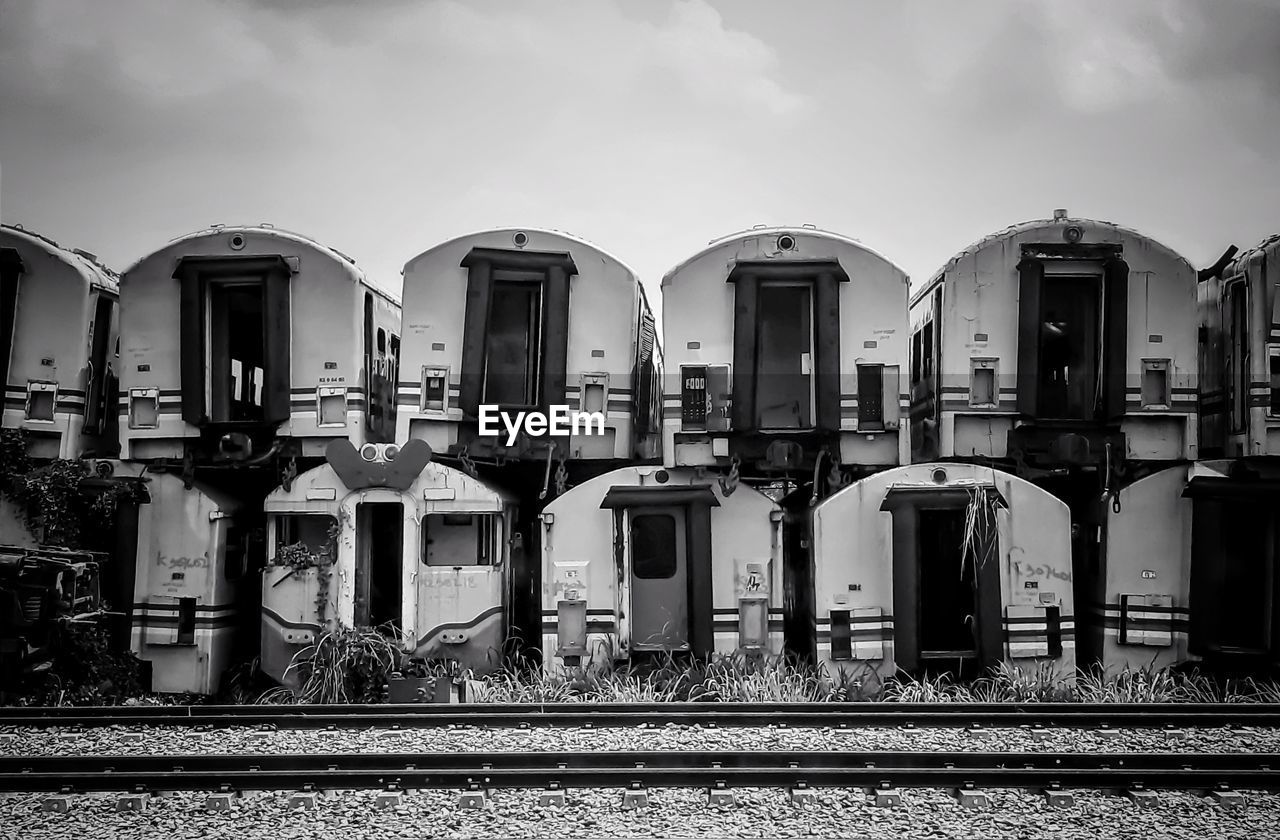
x: 705, y: 397
x: 569, y: 586
x: 1033, y: 631
x: 1146, y: 620
x: 751, y: 580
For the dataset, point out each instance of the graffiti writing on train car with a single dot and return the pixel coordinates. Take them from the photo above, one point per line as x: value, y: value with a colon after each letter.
x: 468, y: 582
x: 1023, y: 568
x: 201, y: 562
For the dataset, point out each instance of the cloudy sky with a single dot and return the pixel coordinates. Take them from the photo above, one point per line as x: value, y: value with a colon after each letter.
x: 645, y: 126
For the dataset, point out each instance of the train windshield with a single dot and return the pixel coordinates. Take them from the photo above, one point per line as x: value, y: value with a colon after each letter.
x: 784, y: 357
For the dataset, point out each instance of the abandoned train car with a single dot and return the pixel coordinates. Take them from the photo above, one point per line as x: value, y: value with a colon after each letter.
x: 971, y: 567
x: 645, y: 560
x: 58, y: 346
x: 789, y: 345
x: 383, y: 537
x: 1065, y: 349
x: 244, y: 343
x: 525, y: 320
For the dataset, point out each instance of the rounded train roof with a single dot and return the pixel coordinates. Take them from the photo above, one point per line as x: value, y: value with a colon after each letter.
x: 1238, y: 262
x: 1032, y: 224
x: 768, y: 230
x: 85, y: 263
x: 279, y: 233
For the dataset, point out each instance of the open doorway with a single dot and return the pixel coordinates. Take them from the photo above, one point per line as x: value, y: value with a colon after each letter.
x: 1070, y: 347
x: 237, y: 351
x: 948, y: 603
x: 784, y: 357
x: 379, y: 558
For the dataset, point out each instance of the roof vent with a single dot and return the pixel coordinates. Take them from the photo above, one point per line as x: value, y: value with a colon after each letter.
x: 1059, y: 215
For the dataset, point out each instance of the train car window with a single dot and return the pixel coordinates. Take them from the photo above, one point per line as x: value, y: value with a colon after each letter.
x: 1236, y: 343
x: 870, y: 398
x: 1273, y: 362
x: 8, y: 317
x: 461, y: 539
x: 784, y: 357
x: 513, y: 344
x: 382, y: 342
x: 95, y: 404
x: 393, y: 359
x: 237, y: 351
x: 916, y: 371
x: 653, y: 546
x: 308, y: 530
x: 1070, y: 347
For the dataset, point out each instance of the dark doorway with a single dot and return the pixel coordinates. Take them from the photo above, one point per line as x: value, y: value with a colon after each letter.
x: 237, y: 351
x: 1070, y: 348
x: 1233, y: 582
x: 784, y: 358
x: 659, y: 579
x: 379, y: 559
x: 948, y: 605
x: 513, y: 349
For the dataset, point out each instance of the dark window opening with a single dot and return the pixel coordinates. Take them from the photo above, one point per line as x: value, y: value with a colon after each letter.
x: 96, y: 407
x: 870, y: 397
x: 237, y: 352
x: 916, y: 370
x: 309, y: 529
x: 1237, y: 349
x: 513, y: 344
x: 393, y: 359
x: 784, y: 357
x: 1274, y: 367
x: 947, y: 595
x: 8, y: 318
x: 1070, y: 385
x: 461, y: 539
x: 653, y: 546
x: 379, y: 552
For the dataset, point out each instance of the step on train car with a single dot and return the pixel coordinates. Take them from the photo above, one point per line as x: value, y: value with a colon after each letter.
x: 786, y: 347
x: 243, y: 343
x: 383, y: 537
x: 646, y: 560
x: 58, y: 346
x: 1065, y: 350
x: 970, y: 568
x: 524, y: 321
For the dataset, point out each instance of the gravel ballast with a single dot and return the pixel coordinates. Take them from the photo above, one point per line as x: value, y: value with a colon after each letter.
x: 672, y: 812
x: 180, y: 741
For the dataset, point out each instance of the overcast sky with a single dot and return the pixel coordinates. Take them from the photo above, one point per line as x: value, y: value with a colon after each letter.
x: 645, y: 126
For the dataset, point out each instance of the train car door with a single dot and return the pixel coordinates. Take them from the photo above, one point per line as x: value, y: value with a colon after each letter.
x: 784, y: 372
x: 461, y: 579
x: 379, y: 549
x: 947, y: 593
x: 659, y: 577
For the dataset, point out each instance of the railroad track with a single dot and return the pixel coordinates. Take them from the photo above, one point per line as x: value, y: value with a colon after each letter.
x: 1077, y: 715
x: 80, y: 774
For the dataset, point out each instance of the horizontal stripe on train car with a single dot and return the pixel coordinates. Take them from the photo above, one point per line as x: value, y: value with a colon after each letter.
x: 1176, y: 625
x: 215, y: 622
x: 273, y: 616
x: 1115, y: 608
x: 167, y: 607
x: 858, y: 619
x: 491, y: 612
x: 351, y: 390
x: 592, y: 627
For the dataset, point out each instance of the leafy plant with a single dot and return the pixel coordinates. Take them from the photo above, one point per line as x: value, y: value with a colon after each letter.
x: 84, y: 671
x: 345, y: 665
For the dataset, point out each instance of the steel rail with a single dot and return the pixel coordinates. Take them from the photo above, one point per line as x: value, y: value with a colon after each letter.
x: 1076, y: 715
x: 1197, y: 771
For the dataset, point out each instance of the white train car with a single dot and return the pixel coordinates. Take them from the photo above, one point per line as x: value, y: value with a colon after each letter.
x: 1240, y: 322
x: 788, y: 342
x: 241, y: 342
x: 58, y: 346
x: 943, y: 566
x: 1057, y: 341
x: 526, y: 320
x: 394, y: 541
x: 189, y: 561
x: 645, y: 559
